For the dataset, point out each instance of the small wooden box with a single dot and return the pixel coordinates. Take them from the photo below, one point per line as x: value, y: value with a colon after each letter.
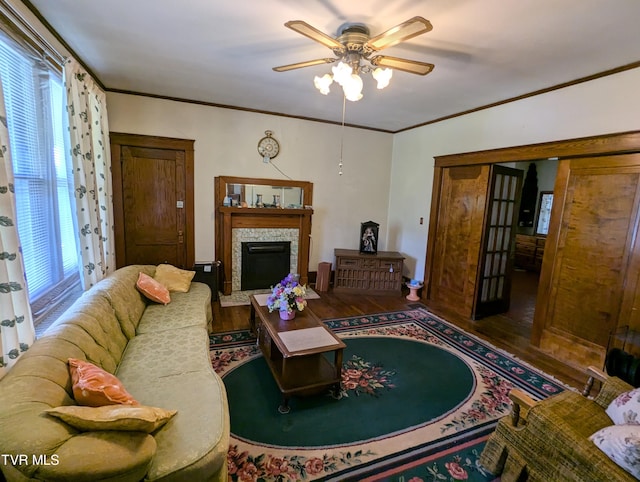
x: 323, y: 277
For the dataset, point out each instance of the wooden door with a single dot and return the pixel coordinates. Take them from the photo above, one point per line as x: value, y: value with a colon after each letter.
x: 496, y: 260
x: 153, y: 200
x: 589, y: 280
x: 459, y: 202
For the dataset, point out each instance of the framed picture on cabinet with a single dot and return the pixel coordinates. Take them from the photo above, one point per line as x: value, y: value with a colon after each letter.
x: 369, y: 237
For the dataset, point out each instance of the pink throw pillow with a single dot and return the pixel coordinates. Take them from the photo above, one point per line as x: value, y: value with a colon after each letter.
x: 95, y: 387
x: 152, y: 289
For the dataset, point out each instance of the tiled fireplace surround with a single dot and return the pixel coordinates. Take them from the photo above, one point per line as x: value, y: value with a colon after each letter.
x: 235, y: 225
x: 244, y: 235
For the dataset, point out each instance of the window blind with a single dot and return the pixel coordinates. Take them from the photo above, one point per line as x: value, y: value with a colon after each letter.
x: 34, y: 98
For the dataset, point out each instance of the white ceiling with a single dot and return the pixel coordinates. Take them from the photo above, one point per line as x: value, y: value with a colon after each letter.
x: 223, y: 51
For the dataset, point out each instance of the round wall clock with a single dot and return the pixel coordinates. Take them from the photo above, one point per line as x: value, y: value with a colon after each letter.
x: 268, y: 147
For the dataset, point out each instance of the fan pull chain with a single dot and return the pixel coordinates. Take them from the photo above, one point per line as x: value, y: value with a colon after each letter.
x: 344, y: 103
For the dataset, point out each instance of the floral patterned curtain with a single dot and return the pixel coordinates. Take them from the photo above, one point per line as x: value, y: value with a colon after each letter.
x: 17, y: 331
x: 91, y: 160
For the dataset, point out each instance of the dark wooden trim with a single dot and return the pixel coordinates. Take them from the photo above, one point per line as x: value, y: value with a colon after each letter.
x: 118, y: 200
x: 433, y: 225
x: 245, y: 109
x: 189, y: 211
x: 138, y: 140
x: 59, y: 38
x: 617, y: 70
x: 585, y: 146
x: 117, y: 140
x: 17, y: 27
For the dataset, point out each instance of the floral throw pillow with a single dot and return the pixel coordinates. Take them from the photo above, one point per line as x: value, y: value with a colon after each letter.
x: 625, y: 408
x: 621, y: 443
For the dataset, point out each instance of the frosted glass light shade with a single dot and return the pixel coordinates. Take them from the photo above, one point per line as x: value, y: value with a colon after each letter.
x: 323, y: 83
x: 353, y: 88
x: 341, y: 73
x: 383, y: 76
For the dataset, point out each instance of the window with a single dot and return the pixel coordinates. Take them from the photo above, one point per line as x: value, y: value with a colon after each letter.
x: 34, y: 99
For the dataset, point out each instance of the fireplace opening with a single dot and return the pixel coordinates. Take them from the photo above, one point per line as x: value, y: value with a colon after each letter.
x: 264, y: 263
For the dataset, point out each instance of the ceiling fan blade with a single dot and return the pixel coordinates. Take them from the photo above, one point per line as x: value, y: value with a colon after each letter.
x: 411, y: 28
x: 411, y: 66
x: 314, y: 34
x: 300, y: 65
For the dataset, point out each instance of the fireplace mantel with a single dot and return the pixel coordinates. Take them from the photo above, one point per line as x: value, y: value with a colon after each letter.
x: 231, y: 217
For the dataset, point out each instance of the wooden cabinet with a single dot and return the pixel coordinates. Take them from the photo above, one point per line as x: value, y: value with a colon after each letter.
x: 379, y: 273
x: 529, y: 252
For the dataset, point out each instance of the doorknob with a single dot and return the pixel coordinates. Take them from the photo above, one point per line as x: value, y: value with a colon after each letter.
x: 180, y: 237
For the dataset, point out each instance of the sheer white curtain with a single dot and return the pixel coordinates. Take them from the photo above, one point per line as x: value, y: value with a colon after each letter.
x: 17, y: 332
x: 91, y: 160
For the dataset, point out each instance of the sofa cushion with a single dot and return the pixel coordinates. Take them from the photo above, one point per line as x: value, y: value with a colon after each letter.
x: 198, y: 435
x: 174, y: 371
x: 621, y: 443
x: 625, y: 408
x: 150, y: 356
x: 140, y: 418
x: 186, y: 309
x: 94, y: 387
x: 153, y: 290
x: 174, y: 279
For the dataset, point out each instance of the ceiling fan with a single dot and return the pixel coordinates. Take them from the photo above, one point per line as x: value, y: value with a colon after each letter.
x: 354, y: 49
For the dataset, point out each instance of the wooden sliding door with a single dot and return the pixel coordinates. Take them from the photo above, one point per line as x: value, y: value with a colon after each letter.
x: 589, y: 280
x: 461, y: 197
x: 590, y: 277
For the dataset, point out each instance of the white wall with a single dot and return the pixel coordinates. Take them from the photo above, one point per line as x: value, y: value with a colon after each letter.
x: 387, y: 178
x: 225, y: 144
x: 606, y: 105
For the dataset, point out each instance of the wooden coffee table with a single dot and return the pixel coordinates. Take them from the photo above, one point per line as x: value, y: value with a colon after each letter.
x: 295, y: 351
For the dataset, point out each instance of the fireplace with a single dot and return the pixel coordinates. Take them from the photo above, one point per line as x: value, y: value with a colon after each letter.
x: 236, y: 224
x: 264, y: 263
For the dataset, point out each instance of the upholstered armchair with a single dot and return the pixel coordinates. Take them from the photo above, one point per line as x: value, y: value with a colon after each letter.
x: 549, y: 439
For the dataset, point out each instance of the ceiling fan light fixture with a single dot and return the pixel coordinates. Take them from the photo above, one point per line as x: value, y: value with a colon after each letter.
x: 323, y: 83
x: 382, y: 76
x: 353, y: 88
x: 353, y: 50
x: 342, y: 73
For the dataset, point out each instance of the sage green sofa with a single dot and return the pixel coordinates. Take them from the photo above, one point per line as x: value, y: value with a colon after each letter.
x: 160, y: 354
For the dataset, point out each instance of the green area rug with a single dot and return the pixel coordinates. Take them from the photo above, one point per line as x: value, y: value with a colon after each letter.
x: 419, y: 398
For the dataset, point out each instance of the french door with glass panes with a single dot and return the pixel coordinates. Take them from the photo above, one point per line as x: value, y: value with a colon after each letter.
x: 496, y: 258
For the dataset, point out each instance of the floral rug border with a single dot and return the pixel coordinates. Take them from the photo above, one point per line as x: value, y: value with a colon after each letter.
x: 496, y: 370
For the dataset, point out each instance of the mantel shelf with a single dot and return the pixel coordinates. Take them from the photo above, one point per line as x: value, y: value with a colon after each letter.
x: 265, y: 211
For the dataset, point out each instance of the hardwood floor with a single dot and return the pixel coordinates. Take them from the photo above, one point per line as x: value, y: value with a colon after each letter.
x: 510, y: 331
